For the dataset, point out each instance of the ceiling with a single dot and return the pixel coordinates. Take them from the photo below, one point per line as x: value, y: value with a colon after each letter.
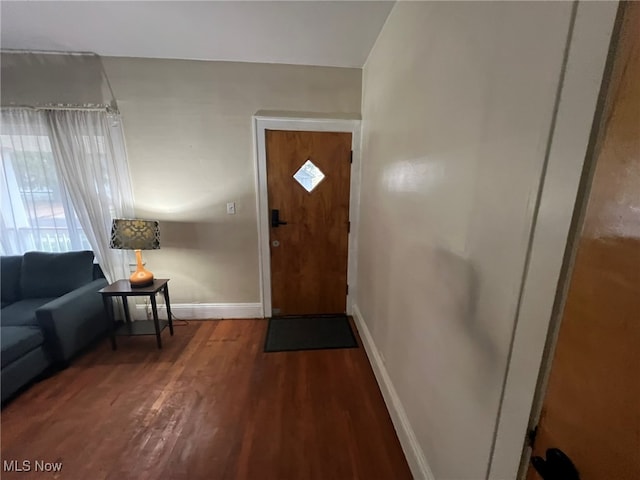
x: 329, y: 33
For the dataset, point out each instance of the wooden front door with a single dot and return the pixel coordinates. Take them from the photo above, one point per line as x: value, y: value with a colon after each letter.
x: 591, y: 408
x: 308, y: 177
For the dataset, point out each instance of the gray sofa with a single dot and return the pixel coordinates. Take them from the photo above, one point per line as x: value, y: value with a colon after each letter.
x: 51, y: 309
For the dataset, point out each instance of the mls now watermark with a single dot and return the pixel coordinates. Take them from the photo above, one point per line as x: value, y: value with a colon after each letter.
x: 30, y: 466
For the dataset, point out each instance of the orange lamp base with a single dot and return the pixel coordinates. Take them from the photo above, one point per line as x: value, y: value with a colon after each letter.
x: 141, y: 277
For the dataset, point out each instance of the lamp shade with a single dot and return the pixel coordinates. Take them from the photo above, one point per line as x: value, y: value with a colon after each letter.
x: 135, y: 234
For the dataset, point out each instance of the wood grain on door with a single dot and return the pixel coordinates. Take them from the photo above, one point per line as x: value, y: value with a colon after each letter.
x: 309, y: 253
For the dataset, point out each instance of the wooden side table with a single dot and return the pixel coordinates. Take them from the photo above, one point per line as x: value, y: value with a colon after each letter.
x: 123, y: 289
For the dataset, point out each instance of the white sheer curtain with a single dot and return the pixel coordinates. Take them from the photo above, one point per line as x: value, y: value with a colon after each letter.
x: 92, y: 162
x: 36, y: 211
x: 64, y: 176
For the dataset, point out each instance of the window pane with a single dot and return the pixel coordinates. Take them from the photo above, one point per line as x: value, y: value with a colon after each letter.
x: 309, y: 176
x: 36, y: 213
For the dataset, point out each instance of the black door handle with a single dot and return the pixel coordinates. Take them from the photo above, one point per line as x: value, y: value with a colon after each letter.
x: 275, y: 219
x: 556, y: 466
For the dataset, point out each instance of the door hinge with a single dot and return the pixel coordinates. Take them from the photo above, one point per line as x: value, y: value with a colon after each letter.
x: 531, y: 436
x: 348, y: 227
x: 347, y: 289
x: 351, y: 157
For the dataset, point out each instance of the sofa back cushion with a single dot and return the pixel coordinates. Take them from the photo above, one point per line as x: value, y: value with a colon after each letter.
x: 10, y: 278
x: 97, y: 272
x: 54, y: 274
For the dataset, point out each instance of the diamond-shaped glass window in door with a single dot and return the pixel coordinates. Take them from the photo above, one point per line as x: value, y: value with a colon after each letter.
x: 309, y: 176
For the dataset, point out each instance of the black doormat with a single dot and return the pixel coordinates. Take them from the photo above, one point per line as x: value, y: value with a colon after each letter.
x: 309, y: 333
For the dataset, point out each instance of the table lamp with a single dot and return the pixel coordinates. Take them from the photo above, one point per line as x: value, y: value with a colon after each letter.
x: 138, y: 235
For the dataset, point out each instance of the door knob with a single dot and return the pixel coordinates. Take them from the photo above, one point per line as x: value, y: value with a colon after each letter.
x: 275, y: 218
x: 556, y: 466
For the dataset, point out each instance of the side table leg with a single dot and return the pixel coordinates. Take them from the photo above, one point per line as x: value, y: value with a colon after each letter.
x: 108, y: 307
x: 168, y: 304
x: 125, y: 306
x: 156, y: 322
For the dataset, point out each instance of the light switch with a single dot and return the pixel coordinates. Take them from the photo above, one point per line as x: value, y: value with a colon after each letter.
x: 231, y: 208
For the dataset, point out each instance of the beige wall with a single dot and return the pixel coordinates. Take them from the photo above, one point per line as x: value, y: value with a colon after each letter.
x: 39, y: 79
x: 190, y: 144
x: 457, y: 106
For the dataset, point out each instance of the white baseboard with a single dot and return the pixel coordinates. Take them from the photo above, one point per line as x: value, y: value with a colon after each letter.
x: 414, y: 454
x: 203, y: 311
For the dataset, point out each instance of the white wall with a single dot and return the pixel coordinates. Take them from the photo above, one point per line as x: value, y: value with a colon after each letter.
x: 458, y: 99
x: 188, y: 126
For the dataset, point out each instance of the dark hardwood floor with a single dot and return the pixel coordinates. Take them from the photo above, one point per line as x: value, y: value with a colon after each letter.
x: 210, y: 405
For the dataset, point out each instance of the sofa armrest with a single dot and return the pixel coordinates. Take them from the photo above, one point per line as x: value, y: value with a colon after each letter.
x: 73, y: 321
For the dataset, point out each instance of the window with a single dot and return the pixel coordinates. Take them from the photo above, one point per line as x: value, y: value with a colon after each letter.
x: 309, y: 176
x: 36, y: 210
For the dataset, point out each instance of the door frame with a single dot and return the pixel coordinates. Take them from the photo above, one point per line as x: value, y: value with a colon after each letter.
x: 598, y: 132
x: 260, y: 125
x: 581, y: 92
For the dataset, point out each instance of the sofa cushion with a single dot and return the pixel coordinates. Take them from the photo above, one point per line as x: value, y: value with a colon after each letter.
x: 54, y: 274
x: 22, y: 313
x: 18, y: 341
x: 97, y: 272
x: 10, y: 278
